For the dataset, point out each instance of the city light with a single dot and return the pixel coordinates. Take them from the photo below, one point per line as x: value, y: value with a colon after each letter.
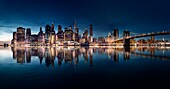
x: 72, y: 37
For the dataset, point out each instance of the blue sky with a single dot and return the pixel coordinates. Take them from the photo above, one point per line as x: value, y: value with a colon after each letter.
x: 138, y: 16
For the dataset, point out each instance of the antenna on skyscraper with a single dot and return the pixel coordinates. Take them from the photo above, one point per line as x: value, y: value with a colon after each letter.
x: 75, y: 21
x: 75, y: 25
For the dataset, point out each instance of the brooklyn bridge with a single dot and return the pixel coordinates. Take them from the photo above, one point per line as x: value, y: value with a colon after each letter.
x: 126, y: 38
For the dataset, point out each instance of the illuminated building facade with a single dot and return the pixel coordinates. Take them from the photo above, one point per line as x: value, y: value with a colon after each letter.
x: 109, y: 38
x: 21, y: 35
x: 85, y: 34
x: 53, y: 35
x: 48, y: 38
x: 48, y: 34
x: 41, y: 35
x: 76, y: 32
x: 94, y: 40
x: 60, y: 34
x: 28, y: 36
x: 91, y: 33
x: 101, y: 39
x: 51, y: 38
x: 68, y: 34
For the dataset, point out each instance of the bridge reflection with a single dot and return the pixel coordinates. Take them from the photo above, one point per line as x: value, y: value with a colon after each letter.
x: 73, y: 55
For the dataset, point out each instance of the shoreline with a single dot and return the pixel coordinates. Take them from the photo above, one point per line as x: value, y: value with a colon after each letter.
x: 86, y: 46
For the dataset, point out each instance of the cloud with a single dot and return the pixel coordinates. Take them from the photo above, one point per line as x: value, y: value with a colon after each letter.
x: 7, y: 26
x: 4, y: 36
x: 6, y: 29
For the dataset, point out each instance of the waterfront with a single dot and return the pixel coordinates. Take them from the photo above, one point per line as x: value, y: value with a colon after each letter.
x: 84, y: 67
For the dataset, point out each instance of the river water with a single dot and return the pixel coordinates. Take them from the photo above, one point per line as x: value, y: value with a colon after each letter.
x: 84, y: 67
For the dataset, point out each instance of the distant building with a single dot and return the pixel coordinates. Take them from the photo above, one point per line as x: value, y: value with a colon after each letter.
x: 60, y: 29
x: 116, y: 34
x: 109, y: 38
x: 14, y: 40
x: 94, y: 40
x: 85, y: 35
x: 34, y: 39
x: 52, y: 27
x: 82, y: 40
x: 101, y: 39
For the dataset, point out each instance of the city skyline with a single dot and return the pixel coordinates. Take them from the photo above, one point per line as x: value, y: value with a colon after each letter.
x: 81, y: 32
x: 89, y: 44
x: 72, y: 37
x: 137, y: 17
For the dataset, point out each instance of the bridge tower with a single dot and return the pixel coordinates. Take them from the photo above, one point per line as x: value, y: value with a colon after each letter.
x: 126, y: 40
x: 152, y: 37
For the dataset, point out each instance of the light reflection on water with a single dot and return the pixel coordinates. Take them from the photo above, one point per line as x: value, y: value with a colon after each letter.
x: 38, y: 66
x: 73, y: 55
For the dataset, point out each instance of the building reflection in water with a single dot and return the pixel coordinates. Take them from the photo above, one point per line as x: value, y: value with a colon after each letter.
x: 72, y: 55
x: 28, y: 55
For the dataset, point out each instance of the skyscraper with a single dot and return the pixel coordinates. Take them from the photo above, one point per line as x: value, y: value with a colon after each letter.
x: 14, y: 40
x: 91, y: 33
x: 68, y: 34
x: 28, y: 35
x: 47, y: 33
x: 85, y: 34
x: 52, y: 27
x: 28, y: 31
x: 76, y: 32
x: 60, y: 34
x: 70, y: 28
x: 53, y: 37
x: 116, y: 34
x: 91, y: 30
x: 20, y: 35
x: 59, y: 28
x: 41, y: 36
x: 75, y: 25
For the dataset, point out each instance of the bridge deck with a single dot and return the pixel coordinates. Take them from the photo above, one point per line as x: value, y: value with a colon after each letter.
x: 144, y: 35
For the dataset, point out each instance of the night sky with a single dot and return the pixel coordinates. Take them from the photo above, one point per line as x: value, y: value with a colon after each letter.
x: 138, y: 16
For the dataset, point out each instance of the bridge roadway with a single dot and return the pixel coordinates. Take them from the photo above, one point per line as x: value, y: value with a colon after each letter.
x: 144, y: 35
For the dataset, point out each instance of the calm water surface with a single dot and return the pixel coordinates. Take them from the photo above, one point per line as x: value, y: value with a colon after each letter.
x: 85, y: 67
